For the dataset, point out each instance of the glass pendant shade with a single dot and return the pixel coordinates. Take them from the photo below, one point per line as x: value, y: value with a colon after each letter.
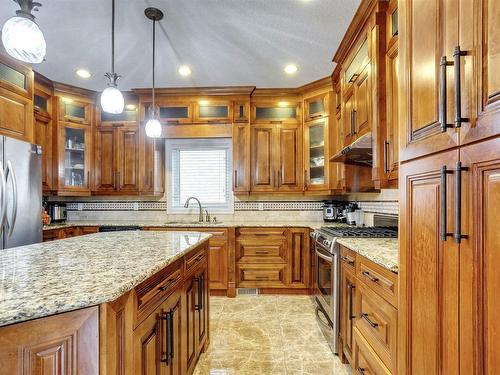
x: 153, y: 128
x: 112, y: 100
x: 23, y: 40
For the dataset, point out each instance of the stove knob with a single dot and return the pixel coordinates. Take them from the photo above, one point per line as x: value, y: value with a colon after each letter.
x: 327, y: 243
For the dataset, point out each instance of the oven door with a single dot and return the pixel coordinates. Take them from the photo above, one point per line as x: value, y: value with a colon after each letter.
x: 324, y: 280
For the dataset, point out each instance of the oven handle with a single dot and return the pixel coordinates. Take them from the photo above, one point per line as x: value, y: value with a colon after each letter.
x: 324, y: 257
x: 325, y: 323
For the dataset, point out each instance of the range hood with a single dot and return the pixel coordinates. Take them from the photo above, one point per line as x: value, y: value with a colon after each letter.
x: 360, y: 152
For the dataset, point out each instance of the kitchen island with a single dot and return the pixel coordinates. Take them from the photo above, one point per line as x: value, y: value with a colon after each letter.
x: 105, y: 303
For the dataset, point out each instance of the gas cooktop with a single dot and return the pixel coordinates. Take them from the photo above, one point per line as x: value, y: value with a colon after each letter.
x: 375, y: 232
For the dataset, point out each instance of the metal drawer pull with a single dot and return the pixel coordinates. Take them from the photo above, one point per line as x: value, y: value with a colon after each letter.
x: 262, y: 252
x: 169, y: 283
x: 386, y: 157
x: 443, y: 94
x: 365, y: 317
x: 372, y: 278
x: 347, y: 260
x: 457, y: 53
x: 262, y: 277
x: 361, y: 371
x: 351, y: 289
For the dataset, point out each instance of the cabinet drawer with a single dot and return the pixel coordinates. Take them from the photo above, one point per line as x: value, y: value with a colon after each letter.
x: 196, y: 259
x: 377, y: 321
x: 378, y: 279
x: 261, y: 251
x: 261, y: 232
x: 153, y: 291
x: 261, y: 275
x: 366, y: 361
x: 347, y: 257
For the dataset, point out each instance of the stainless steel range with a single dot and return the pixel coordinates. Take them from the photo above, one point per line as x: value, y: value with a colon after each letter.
x: 327, y: 276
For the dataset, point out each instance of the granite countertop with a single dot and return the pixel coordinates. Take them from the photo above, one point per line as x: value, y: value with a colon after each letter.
x: 382, y: 251
x: 48, y: 278
x: 180, y: 224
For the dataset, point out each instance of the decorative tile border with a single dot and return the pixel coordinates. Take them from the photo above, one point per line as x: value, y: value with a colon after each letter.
x: 383, y: 207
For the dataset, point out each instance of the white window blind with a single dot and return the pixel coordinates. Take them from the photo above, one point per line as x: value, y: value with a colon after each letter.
x: 199, y: 168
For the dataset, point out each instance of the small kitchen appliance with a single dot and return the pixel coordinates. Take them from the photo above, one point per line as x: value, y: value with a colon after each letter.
x: 332, y: 211
x: 57, y: 212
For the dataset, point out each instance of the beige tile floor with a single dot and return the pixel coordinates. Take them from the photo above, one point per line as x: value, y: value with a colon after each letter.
x: 266, y: 335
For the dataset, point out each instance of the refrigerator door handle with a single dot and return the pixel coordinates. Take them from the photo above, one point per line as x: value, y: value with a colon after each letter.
x: 3, y: 202
x: 10, y: 171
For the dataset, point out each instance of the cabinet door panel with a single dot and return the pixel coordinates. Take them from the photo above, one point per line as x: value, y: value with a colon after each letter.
x: 479, y: 258
x: 299, y: 262
x: 263, y: 176
x: 241, y: 158
x: 16, y: 116
x: 362, y: 106
x: 347, y: 313
x: 289, y: 176
x: 218, y: 263
x: 428, y: 307
x: 420, y: 110
x: 43, y: 137
x: 105, y: 151
x: 190, y: 291
x: 128, y: 167
x: 173, y: 306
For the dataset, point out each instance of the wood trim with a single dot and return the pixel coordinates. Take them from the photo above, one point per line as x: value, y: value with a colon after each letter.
x: 209, y: 90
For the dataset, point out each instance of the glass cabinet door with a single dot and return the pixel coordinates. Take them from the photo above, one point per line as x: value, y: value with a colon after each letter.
x: 75, y: 168
x: 316, y: 154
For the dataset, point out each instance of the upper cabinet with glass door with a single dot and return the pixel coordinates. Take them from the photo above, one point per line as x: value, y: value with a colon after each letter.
x: 74, y: 144
x: 316, y: 161
x: 174, y: 112
x: 206, y: 111
x: 278, y: 112
x: 316, y: 107
x: 75, y: 110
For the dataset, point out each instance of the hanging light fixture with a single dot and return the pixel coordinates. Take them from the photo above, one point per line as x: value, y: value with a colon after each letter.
x: 153, y: 126
x: 21, y: 36
x: 111, y: 98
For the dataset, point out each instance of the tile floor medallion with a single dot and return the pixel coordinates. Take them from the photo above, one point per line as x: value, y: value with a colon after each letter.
x: 260, y: 335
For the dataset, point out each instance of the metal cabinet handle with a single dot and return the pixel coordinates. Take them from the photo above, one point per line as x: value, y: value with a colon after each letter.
x: 443, y: 94
x: 200, y: 281
x: 347, y: 260
x: 10, y: 171
x: 386, y: 157
x: 151, y: 178
x: 262, y: 277
x: 354, y: 132
x: 168, y: 354
x: 361, y: 371
x: 119, y: 179
x: 372, y: 278
x: 262, y: 252
x: 172, y: 335
x: 3, y: 204
x: 279, y: 178
x: 235, y: 178
x: 365, y: 317
x: 351, y: 291
x: 169, y: 283
x: 114, y: 184
x: 444, y: 173
x: 305, y: 179
x: 458, y: 203
x: 457, y: 53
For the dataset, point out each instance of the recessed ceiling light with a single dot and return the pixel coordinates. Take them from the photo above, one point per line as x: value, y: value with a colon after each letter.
x: 83, y: 73
x: 291, y: 69
x: 184, y: 70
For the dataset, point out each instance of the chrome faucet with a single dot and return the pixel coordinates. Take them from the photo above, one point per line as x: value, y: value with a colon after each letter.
x: 186, y: 205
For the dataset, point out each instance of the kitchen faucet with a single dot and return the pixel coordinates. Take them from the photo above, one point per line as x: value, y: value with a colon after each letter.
x: 186, y: 205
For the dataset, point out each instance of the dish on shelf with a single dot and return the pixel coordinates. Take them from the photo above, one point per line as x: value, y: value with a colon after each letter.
x: 318, y: 162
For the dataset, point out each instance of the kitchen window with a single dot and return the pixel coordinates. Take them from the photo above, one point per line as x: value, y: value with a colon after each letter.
x: 199, y: 168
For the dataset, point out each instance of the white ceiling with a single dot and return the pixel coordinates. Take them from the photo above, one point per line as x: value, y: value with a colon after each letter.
x: 225, y: 42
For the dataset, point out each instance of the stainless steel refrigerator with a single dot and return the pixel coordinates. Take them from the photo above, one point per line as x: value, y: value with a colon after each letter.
x: 20, y: 193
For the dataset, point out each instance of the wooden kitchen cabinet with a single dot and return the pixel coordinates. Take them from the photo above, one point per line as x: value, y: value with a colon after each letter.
x: 62, y: 344
x: 365, y: 359
x: 347, y: 303
x: 174, y: 111
x: 73, y: 110
x: 299, y: 258
x: 116, y: 159
x: 241, y: 158
x: 241, y: 111
x: 43, y: 132
x: 16, y: 99
x: 276, y: 111
x: 276, y: 158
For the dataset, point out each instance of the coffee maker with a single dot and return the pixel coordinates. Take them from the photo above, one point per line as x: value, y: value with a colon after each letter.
x: 57, y: 212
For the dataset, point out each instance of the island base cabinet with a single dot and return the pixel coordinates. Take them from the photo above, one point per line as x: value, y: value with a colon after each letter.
x: 57, y: 345
x: 157, y: 340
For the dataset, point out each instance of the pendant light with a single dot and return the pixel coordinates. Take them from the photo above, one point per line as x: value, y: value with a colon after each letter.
x: 21, y: 36
x: 153, y: 126
x: 111, y: 98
